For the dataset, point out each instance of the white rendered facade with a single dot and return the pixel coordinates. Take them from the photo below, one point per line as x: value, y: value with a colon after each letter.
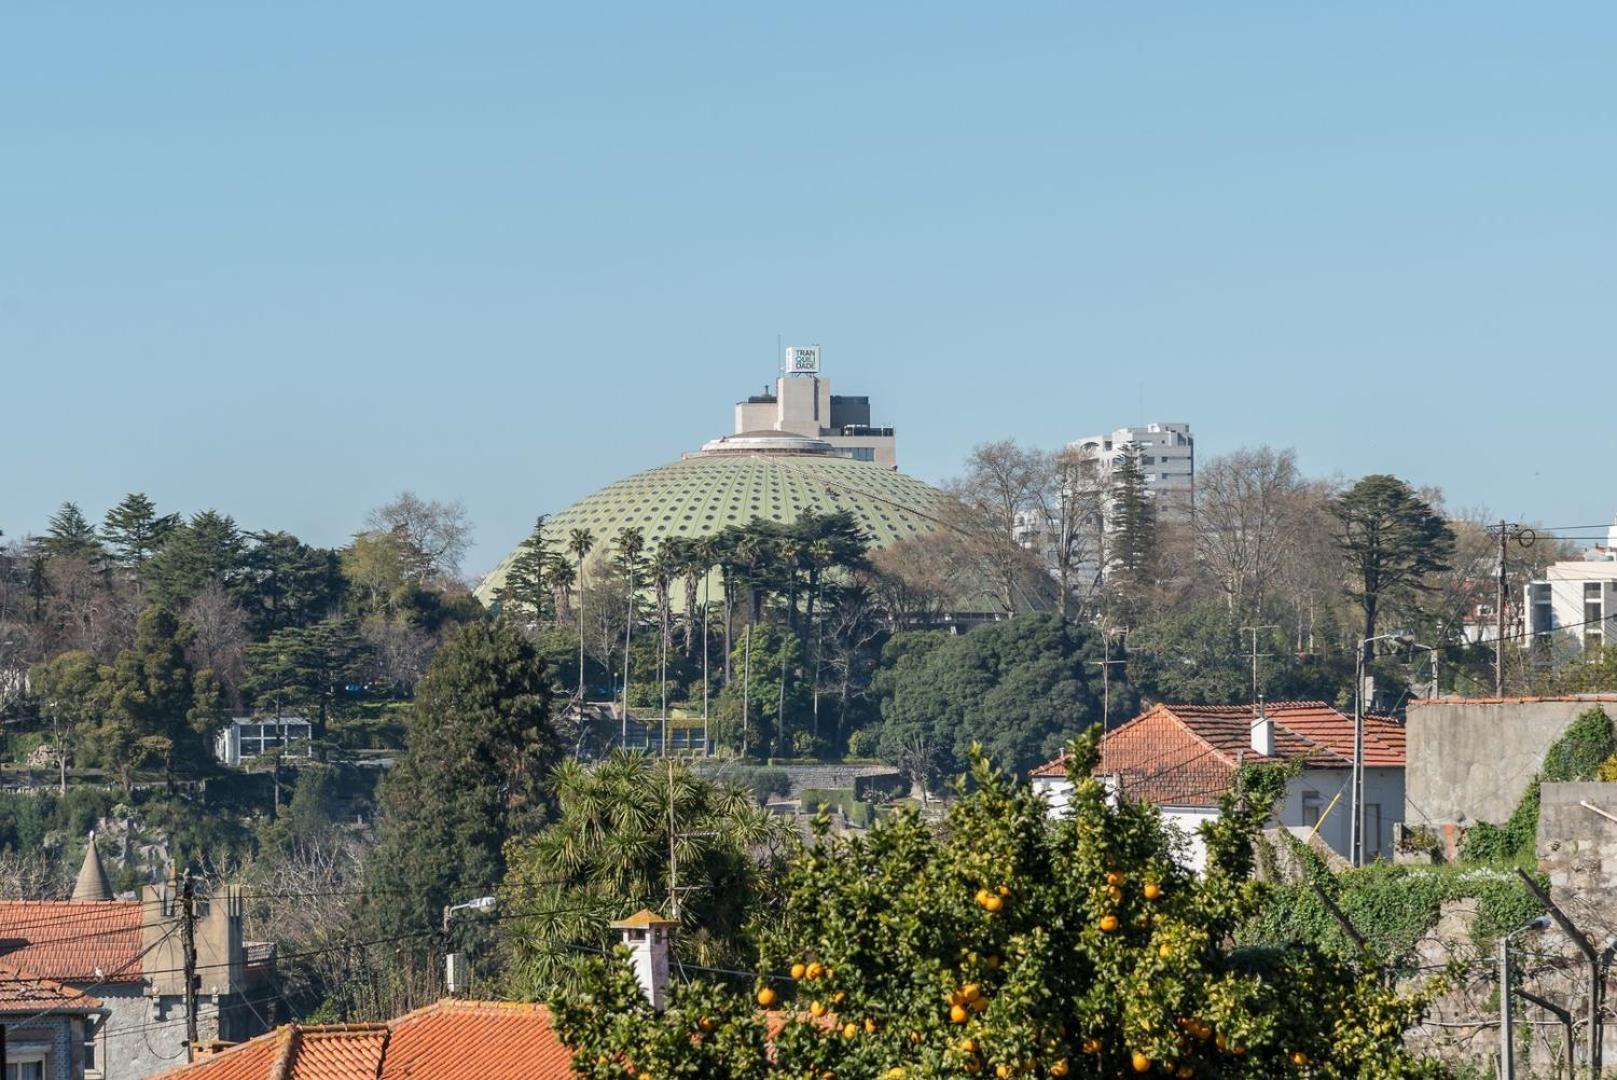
x: 1167, y: 458
x: 804, y: 405
x: 1315, y: 800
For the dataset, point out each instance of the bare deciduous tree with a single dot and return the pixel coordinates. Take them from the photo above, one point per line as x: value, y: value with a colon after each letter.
x: 439, y: 532
x: 1068, y: 503
x: 1244, y: 503
x: 219, y: 636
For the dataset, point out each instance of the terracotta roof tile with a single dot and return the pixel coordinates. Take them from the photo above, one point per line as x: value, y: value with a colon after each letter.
x: 21, y: 991
x: 71, y: 940
x: 452, y: 1040
x: 1185, y: 755
x: 468, y: 1040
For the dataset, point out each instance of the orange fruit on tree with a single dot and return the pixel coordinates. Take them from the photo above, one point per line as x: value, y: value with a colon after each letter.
x: 1091, y: 1046
x: 1003, y: 890
x: 1058, y: 1067
x: 1115, y: 892
x: 816, y: 1009
x: 1115, y: 878
x: 798, y: 971
x: 980, y: 1005
x: 766, y: 997
x: 1004, y: 1072
x: 968, y: 1046
x: 958, y: 1014
x: 993, y: 903
x: 814, y: 970
x: 1164, y: 950
x: 706, y: 1023
x: 836, y: 998
x: 1152, y: 890
x: 1298, y: 1058
x: 1140, y: 1062
x: 983, y: 896
x: 1108, y: 923
x: 850, y: 1029
x: 971, y: 992
x: 870, y: 1025
x: 1221, y: 1042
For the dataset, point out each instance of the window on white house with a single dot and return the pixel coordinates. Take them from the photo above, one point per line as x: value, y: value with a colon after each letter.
x: 1312, y: 807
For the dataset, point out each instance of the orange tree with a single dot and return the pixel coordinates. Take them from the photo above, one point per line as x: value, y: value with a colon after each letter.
x: 1007, y: 944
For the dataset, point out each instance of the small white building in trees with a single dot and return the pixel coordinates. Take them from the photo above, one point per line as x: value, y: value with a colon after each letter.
x: 1183, y: 758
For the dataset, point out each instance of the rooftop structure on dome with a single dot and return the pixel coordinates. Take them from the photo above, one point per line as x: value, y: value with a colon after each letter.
x: 776, y: 467
x: 803, y: 404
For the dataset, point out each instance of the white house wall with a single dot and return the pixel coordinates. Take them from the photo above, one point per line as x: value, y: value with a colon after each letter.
x: 1383, y: 799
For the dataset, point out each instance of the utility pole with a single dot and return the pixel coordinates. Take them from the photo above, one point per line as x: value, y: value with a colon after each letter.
x: 188, y: 942
x: 673, y: 856
x: 1254, y: 630
x: 1106, y: 680
x: 1505, y: 531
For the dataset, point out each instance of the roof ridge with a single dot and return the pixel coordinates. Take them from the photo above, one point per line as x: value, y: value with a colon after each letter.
x: 1212, y: 747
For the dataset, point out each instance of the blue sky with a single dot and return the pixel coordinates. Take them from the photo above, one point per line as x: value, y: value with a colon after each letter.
x: 286, y: 260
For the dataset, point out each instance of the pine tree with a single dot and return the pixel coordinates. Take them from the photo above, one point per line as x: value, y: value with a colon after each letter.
x: 149, y: 703
x: 480, y: 746
x: 207, y: 548
x: 526, y: 592
x: 1133, y: 521
x: 305, y: 668
x: 134, y: 531
x: 71, y: 536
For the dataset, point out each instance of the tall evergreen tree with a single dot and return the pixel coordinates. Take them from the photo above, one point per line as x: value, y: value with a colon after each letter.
x: 289, y: 583
x: 207, y: 548
x: 149, y: 701
x: 305, y: 668
x: 1390, y: 539
x: 526, y: 592
x: 1133, y: 520
x: 480, y: 745
x: 134, y: 530
x: 70, y: 536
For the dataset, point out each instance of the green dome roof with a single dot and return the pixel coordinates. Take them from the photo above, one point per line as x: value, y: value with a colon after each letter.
x: 707, y: 492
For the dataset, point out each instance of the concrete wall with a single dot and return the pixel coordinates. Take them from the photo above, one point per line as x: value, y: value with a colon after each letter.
x: 1471, y: 759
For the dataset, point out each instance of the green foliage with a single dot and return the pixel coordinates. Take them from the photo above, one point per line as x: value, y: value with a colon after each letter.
x: 1579, y: 754
x: 1391, y: 541
x: 134, y: 531
x: 1392, y: 905
x: 607, y: 855
x: 856, y: 810
x: 1199, y: 657
x: 1008, y: 944
x: 480, y: 745
x: 307, y: 821
x: 289, y: 584
x: 150, y: 709
x: 305, y: 668
x: 70, y: 536
x: 774, y: 651
x: 1021, y: 688
x: 207, y: 549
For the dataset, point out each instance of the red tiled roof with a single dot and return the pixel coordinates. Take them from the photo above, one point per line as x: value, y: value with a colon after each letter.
x: 471, y: 1040
x: 1184, y: 755
x: 21, y: 991
x: 452, y: 1040
x: 72, y: 940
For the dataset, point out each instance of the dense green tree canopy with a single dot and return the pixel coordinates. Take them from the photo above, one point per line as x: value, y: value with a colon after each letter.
x: 480, y: 745
x: 1021, y: 688
x: 1012, y: 944
x: 1391, y: 539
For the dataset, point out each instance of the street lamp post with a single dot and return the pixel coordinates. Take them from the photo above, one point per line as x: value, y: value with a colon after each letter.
x: 1356, y: 782
x: 452, y: 969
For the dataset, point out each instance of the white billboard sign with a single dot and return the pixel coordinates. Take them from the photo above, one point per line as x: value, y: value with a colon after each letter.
x: 803, y: 360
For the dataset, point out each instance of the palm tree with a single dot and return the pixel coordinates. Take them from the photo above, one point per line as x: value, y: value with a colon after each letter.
x: 631, y: 542
x: 749, y: 553
x: 704, y: 553
x: 793, y: 550
x: 580, y: 542
x: 664, y: 564
x: 621, y: 827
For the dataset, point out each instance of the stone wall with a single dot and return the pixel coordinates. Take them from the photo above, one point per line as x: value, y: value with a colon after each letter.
x: 1469, y: 760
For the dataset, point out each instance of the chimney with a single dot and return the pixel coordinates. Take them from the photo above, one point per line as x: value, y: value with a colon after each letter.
x: 1263, y: 734
x: 647, y: 936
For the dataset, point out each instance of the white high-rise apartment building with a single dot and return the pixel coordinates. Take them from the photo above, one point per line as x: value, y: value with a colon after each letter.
x: 1167, y: 458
